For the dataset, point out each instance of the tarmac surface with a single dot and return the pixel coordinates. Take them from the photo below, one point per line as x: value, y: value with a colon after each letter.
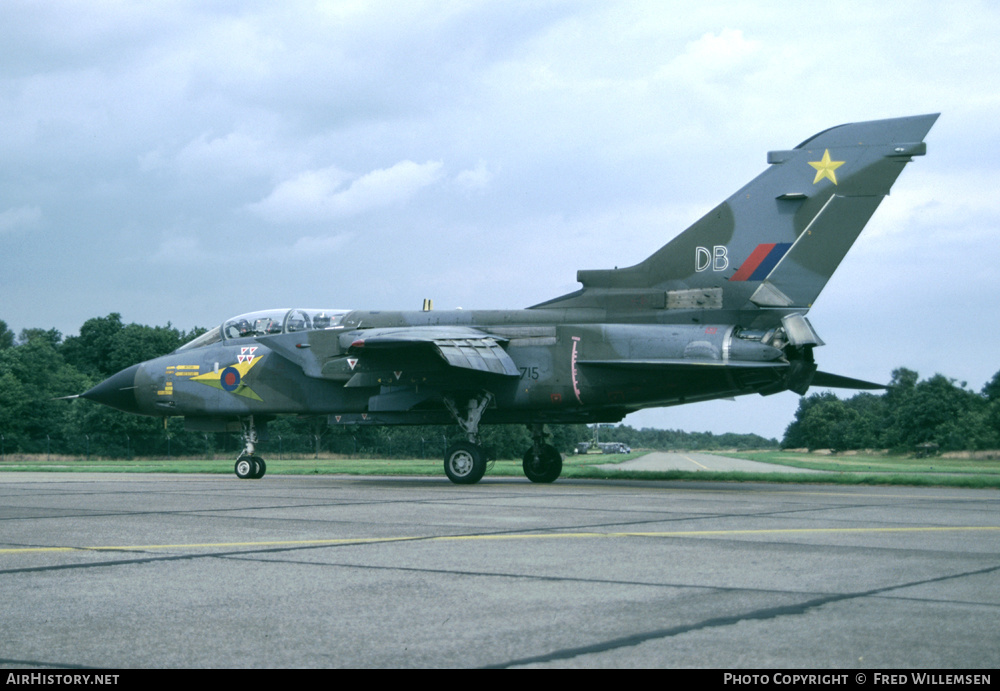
x: 111, y: 571
x: 700, y: 462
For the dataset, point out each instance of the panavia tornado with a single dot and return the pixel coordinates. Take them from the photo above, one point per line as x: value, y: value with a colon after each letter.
x: 717, y: 312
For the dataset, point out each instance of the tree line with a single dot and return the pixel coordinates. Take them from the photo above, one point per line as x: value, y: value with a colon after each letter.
x: 39, y: 366
x: 935, y: 414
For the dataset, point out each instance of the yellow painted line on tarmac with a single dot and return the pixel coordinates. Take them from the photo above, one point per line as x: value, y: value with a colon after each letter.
x: 512, y: 536
x: 717, y: 533
x: 214, y: 545
x: 792, y: 531
x: 688, y: 458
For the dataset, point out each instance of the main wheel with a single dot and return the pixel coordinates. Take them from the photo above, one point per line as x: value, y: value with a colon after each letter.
x: 544, y: 466
x: 245, y: 467
x: 260, y: 467
x: 464, y: 463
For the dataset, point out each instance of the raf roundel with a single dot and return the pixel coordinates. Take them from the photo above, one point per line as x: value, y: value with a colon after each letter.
x: 230, y: 379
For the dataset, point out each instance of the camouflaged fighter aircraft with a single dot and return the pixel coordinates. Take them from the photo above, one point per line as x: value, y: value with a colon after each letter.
x: 717, y: 312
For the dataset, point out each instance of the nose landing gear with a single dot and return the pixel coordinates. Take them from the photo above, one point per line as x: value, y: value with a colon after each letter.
x: 465, y: 461
x: 248, y: 465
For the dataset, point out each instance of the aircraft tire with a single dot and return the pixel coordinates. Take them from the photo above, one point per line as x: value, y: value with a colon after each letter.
x: 260, y: 467
x: 465, y: 463
x: 245, y: 468
x: 546, y: 468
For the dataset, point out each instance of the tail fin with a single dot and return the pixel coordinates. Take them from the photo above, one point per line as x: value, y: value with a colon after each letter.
x: 776, y: 241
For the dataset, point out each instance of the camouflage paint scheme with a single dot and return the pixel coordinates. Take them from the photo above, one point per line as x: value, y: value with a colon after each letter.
x: 717, y: 312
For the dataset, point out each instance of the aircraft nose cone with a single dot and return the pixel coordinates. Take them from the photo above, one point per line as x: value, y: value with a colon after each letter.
x: 117, y: 391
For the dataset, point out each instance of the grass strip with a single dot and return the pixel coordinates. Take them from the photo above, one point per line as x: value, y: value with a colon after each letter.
x: 855, y: 470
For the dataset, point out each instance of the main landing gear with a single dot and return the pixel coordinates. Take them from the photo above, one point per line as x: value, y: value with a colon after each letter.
x: 465, y: 461
x: 542, y: 462
x: 248, y: 465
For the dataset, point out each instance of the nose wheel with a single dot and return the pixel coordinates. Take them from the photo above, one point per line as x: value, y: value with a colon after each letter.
x: 249, y: 466
x: 465, y: 463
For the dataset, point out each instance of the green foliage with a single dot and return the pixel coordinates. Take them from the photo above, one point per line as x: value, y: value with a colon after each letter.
x: 39, y: 367
x: 991, y: 391
x: 52, y: 336
x: 566, y: 437
x: 32, y: 374
x: 6, y: 336
x: 823, y: 421
x: 936, y: 411
x: 106, y: 345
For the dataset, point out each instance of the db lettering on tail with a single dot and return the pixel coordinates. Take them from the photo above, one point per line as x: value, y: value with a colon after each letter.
x: 716, y: 258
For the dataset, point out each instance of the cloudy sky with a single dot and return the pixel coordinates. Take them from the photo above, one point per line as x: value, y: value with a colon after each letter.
x: 183, y: 162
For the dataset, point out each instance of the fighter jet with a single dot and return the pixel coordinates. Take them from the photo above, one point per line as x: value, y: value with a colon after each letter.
x: 717, y: 312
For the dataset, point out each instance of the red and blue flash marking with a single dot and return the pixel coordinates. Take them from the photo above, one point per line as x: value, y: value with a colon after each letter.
x: 760, y: 262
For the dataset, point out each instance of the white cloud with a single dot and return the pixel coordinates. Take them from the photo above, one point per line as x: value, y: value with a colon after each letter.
x: 233, y: 150
x: 315, y: 247
x: 958, y: 203
x: 321, y: 195
x: 20, y: 217
x: 474, y: 179
x: 715, y: 55
x: 175, y: 249
x: 189, y: 250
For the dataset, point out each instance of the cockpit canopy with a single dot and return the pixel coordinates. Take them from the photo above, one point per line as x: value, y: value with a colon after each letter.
x: 268, y: 322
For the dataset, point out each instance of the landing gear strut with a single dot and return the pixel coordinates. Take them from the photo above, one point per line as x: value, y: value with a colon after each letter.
x: 248, y: 465
x: 465, y: 461
x: 542, y: 462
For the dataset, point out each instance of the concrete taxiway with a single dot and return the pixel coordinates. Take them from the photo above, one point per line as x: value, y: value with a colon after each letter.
x: 327, y: 571
x: 700, y: 462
